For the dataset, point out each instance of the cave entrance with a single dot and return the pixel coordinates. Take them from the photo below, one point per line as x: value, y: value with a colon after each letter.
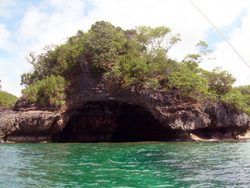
x: 112, y: 122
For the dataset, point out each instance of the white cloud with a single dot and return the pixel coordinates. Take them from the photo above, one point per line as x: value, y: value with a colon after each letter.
x: 4, y: 37
x: 227, y: 58
x: 223, y: 12
x: 5, y: 8
x: 10, y: 70
x: 179, y: 15
x: 49, y: 23
x: 52, y: 21
x: 7, y: 85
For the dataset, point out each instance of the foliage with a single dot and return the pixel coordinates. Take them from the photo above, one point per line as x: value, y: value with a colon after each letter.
x: 50, y: 90
x: 238, y: 98
x: 203, y: 48
x: 144, y: 57
x: 242, y: 100
x: 245, y: 90
x: 128, y: 59
x: 189, y: 84
x: 99, y: 44
x: 60, y: 60
x: 234, y: 99
x: 156, y: 38
x: 113, y: 79
x: 219, y: 81
x: 192, y: 61
x: 7, y: 99
x: 152, y: 84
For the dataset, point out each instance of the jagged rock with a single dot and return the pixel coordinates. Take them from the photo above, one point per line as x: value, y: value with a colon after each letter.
x: 225, y: 117
x: 92, y: 114
x: 29, y: 123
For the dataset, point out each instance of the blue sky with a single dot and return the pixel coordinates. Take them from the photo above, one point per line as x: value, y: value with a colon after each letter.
x: 30, y: 25
x: 214, y: 37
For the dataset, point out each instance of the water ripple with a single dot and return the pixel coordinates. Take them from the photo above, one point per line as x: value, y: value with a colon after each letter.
x: 225, y: 164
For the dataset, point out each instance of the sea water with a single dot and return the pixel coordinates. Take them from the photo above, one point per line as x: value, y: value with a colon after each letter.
x: 180, y: 164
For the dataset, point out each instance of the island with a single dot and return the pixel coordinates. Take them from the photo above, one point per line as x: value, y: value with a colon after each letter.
x: 115, y: 85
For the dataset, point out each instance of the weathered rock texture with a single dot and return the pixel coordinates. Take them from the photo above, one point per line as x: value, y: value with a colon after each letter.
x: 92, y: 114
x: 30, y: 126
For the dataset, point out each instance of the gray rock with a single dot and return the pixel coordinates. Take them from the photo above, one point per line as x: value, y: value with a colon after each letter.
x: 28, y: 123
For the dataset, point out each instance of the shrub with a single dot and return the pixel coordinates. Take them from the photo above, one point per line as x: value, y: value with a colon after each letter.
x: 7, y: 99
x: 151, y: 83
x: 50, y: 91
x: 189, y: 84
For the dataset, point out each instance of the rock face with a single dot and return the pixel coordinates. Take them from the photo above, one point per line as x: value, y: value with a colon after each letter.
x: 111, y: 121
x: 93, y: 114
x: 30, y: 126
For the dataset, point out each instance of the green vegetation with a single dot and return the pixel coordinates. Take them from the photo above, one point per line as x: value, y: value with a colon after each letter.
x: 50, y: 90
x: 129, y: 59
x: 239, y: 97
x: 219, y: 81
x: 7, y: 99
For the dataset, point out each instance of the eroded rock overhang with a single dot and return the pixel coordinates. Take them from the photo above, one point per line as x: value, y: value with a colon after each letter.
x: 113, y: 121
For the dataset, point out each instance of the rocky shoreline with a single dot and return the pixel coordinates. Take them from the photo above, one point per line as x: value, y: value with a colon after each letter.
x: 92, y: 114
x: 112, y: 121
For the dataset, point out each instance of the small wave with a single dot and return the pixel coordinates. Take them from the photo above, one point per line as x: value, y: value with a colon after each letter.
x: 91, y: 164
x: 150, y: 154
x: 130, y: 166
x: 116, y: 162
x: 141, y: 150
x: 166, y: 161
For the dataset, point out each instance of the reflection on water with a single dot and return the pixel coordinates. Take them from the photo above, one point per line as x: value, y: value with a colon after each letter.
x: 193, y: 164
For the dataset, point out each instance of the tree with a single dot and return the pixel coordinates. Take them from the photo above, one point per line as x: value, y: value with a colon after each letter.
x: 125, y: 59
x: 245, y: 90
x: 203, y: 48
x: 99, y: 45
x: 235, y: 100
x: 58, y: 60
x: 31, y: 58
x: 157, y: 38
x: 219, y: 81
x: 245, y: 94
x: 192, y: 61
x: 189, y: 84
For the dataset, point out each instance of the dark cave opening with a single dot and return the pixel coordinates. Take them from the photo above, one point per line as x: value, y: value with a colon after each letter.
x: 113, y: 122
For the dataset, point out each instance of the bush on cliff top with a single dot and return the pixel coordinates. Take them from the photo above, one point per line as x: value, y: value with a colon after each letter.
x: 125, y: 59
x: 239, y: 98
x: 49, y: 91
x: 7, y: 99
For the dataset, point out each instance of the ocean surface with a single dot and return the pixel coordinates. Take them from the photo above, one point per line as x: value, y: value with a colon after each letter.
x: 180, y: 164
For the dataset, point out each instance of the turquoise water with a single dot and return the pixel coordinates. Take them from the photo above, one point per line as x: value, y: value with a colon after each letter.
x: 192, y: 164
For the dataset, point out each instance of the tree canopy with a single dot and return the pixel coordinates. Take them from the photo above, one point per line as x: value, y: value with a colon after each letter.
x: 126, y: 59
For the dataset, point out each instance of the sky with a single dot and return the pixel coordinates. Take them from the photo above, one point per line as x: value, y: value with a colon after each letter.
x: 29, y: 25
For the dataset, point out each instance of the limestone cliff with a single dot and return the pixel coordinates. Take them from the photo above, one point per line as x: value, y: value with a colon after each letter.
x: 93, y: 114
